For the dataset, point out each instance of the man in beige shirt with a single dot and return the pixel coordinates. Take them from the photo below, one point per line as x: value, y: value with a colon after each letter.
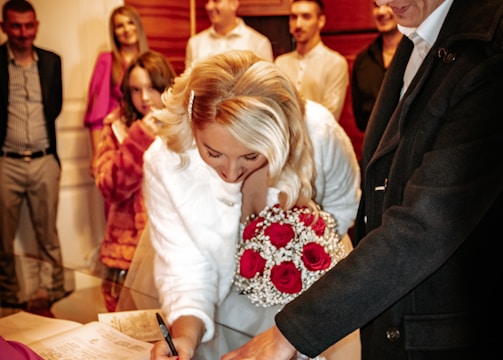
x: 320, y: 73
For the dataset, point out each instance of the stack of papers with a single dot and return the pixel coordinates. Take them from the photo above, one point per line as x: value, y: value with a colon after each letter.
x: 126, y: 335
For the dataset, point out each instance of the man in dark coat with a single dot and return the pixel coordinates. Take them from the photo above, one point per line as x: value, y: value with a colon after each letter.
x: 31, y: 99
x: 423, y: 281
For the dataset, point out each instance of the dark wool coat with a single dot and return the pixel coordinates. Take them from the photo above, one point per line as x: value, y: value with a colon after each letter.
x: 423, y: 280
x: 51, y: 84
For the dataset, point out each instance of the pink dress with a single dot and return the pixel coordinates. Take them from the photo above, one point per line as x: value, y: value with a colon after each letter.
x: 103, y: 96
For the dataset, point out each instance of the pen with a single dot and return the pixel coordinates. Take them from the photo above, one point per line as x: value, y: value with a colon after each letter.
x: 166, y: 334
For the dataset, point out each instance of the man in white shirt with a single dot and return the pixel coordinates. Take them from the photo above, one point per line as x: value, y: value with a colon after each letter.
x: 227, y: 32
x: 320, y: 73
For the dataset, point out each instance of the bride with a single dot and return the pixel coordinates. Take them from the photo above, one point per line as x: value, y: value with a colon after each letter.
x: 236, y: 140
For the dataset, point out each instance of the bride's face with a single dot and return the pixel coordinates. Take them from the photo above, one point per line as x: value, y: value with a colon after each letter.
x: 231, y: 159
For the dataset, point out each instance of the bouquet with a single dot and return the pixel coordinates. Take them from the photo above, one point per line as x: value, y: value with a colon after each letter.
x: 284, y: 252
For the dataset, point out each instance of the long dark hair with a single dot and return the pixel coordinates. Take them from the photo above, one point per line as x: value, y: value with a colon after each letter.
x: 161, y: 75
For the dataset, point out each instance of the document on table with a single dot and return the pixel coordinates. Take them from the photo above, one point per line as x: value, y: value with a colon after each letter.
x: 57, y: 339
x: 140, y: 324
x: 26, y: 327
x: 92, y: 341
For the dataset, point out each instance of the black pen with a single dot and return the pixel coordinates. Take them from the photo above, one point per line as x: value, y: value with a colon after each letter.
x: 166, y: 334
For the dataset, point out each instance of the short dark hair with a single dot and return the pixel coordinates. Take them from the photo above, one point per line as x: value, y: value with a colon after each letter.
x: 319, y: 2
x: 21, y: 6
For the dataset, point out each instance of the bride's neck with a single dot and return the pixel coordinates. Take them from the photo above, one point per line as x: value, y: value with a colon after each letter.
x: 254, y: 192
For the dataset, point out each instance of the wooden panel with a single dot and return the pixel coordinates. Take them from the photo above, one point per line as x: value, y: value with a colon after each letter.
x: 263, y: 7
x: 344, y: 15
x: 202, y: 21
x: 167, y: 24
x: 275, y: 28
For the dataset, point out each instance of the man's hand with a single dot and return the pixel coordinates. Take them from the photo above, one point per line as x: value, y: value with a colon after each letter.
x: 270, y: 344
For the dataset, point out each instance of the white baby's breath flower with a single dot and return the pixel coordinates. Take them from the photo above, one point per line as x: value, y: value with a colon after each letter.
x: 284, y: 252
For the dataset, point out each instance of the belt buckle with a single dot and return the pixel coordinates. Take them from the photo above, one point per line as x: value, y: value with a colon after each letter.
x: 27, y: 155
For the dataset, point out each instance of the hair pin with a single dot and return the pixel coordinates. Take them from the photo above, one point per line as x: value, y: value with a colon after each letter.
x: 191, y: 103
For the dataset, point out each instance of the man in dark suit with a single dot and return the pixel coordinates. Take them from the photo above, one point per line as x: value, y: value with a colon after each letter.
x: 30, y: 101
x: 423, y: 280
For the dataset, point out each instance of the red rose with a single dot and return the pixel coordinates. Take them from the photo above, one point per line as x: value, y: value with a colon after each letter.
x: 251, y: 229
x: 251, y: 263
x: 286, y: 278
x: 318, y: 227
x: 315, y: 257
x: 280, y: 234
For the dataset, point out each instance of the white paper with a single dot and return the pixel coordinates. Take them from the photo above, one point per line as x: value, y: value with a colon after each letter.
x: 139, y: 324
x: 26, y: 328
x: 58, y: 339
x: 93, y: 341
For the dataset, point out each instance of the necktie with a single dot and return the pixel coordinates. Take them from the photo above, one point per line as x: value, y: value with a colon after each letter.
x: 419, y: 52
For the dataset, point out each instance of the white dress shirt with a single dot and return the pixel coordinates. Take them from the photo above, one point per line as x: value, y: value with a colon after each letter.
x: 321, y: 75
x: 208, y: 42
x: 423, y: 38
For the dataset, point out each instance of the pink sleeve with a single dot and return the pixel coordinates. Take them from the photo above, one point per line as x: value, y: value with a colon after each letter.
x: 14, y: 350
x: 102, y: 97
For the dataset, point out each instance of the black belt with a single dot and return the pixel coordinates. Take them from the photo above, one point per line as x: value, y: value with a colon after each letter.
x: 26, y: 155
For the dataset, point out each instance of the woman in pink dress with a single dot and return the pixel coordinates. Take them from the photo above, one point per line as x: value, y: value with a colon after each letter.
x: 128, y: 40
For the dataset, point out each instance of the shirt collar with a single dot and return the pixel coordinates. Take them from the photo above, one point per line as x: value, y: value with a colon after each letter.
x: 316, y: 49
x: 10, y: 54
x: 237, y: 31
x: 429, y: 29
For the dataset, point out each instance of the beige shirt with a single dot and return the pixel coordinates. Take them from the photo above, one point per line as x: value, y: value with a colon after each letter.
x: 322, y: 75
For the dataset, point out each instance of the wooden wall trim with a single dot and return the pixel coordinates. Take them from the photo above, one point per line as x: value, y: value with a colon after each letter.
x: 263, y: 7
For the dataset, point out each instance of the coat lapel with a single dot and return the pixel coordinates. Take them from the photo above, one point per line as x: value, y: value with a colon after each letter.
x: 387, y: 100
x: 398, y: 116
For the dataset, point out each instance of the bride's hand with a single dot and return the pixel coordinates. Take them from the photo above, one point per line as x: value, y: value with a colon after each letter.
x: 161, y: 351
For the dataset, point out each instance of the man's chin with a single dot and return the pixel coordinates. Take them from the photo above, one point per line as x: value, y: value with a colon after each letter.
x: 23, y: 44
x: 299, y: 39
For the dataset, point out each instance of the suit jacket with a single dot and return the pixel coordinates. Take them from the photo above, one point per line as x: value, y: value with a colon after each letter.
x: 422, y: 281
x: 49, y: 69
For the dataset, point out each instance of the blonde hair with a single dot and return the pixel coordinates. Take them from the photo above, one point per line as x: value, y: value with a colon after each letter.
x: 258, y: 105
x: 118, y: 62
